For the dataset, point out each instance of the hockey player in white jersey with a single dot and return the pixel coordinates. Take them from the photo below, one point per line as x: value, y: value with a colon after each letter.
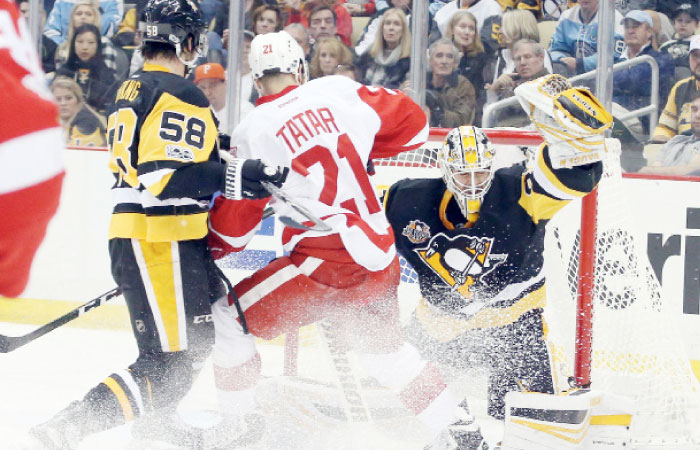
x: 325, y: 131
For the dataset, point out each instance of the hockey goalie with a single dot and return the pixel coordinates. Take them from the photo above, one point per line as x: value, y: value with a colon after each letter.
x: 475, y: 238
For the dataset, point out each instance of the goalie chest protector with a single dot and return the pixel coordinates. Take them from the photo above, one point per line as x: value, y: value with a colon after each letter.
x: 495, y: 263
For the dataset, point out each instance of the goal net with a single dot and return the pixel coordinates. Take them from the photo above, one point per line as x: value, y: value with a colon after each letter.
x: 636, y: 349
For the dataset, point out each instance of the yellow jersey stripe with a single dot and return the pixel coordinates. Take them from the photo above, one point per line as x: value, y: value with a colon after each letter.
x: 121, y: 398
x: 539, y: 206
x: 548, y: 173
x: 160, y: 268
x: 444, y: 327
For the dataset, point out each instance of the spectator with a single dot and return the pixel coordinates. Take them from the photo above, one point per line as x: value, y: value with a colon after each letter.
x: 48, y: 46
x: 328, y: 54
x: 534, y: 6
x: 370, y: 33
x: 475, y: 64
x: 220, y: 21
x: 516, y: 25
x: 266, y: 19
x: 388, y: 61
x: 680, y: 155
x: 574, y: 44
x: 666, y: 6
x: 301, y: 35
x: 323, y: 18
x: 632, y: 85
x: 209, y: 8
x: 675, y: 117
x: 359, y: 7
x: 488, y: 20
x: 210, y: 78
x: 663, y: 28
x: 450, y: 97
x: 529, y: 59
x: 86, y: 66
x: 58, y: 23
x: 82, y: 125
x: 248, y: 92
x: 125, y: 35
x: 86, y: 11
x: 323, y: 23
x: 553, y: 9
x: 685, y: 22
x: 137, y: 59
x: 348, y: 70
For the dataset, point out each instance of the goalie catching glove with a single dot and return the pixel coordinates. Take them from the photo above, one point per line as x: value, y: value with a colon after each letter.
x: 570, y: 119
x: 243, y: 178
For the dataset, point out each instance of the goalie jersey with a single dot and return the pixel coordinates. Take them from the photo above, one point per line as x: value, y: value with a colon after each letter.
x: 489, y: 272
x: 160, y: 123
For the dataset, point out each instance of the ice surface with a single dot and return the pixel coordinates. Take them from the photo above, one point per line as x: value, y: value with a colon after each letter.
x: 41, y: 378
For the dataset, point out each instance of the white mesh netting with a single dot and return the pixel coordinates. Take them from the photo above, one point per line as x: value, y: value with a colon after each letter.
x: 637, y: 349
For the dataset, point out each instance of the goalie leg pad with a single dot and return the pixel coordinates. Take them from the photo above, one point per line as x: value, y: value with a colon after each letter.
x: 572, y: 421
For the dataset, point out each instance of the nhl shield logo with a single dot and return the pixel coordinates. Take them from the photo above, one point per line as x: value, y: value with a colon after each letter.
x: 416, y: 231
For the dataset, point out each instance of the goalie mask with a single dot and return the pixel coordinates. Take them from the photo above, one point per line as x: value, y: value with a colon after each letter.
x: 565, y: 116
x: 466, y: 160
x: 178, y: 23
x: 273, y: 53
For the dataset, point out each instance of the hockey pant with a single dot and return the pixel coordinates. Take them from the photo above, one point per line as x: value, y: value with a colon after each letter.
x: 168, y: 288
x: 299, y: 289
x: 516, y: 355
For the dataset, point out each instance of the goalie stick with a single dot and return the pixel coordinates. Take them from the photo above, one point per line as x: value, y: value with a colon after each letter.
x: 10, y: 343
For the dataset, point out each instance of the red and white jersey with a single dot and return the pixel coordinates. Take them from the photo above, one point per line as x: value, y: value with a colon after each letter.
x: 326, y: 131
x: 31, y: 151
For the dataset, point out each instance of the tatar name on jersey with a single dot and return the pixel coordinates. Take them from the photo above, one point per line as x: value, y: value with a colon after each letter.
x: 324, y: 132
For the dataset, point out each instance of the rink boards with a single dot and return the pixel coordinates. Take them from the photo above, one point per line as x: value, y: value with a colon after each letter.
x: 73, y: 264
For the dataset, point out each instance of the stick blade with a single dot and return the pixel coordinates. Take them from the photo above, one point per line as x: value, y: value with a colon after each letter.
x: 288, y: 221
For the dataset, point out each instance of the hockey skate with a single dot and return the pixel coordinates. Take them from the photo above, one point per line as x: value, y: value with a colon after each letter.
x: 64, y: 431
x: 463, y: 434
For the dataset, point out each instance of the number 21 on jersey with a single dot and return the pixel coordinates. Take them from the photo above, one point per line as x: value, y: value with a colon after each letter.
x: 323, y: 156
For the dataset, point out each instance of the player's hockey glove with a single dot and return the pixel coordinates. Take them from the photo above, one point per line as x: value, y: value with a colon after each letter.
x: 224, y: 142
x: 243, y: 177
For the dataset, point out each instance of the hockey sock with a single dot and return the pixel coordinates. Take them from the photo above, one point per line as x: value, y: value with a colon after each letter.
x: 235, y: 386
x: 418, y: 383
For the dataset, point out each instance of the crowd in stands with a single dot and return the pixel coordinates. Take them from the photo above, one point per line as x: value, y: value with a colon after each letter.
x: 479, y: 52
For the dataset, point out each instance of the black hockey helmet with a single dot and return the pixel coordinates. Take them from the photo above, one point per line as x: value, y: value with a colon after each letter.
x: 173, y: 22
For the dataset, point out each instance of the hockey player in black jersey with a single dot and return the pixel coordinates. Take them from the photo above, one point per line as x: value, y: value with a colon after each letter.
x: 476, y: 239
x: 163, y: 153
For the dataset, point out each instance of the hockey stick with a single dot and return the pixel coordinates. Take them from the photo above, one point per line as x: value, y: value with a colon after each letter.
x: 10, y: 343
x: 355, y: 408
x: 318, y: 225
